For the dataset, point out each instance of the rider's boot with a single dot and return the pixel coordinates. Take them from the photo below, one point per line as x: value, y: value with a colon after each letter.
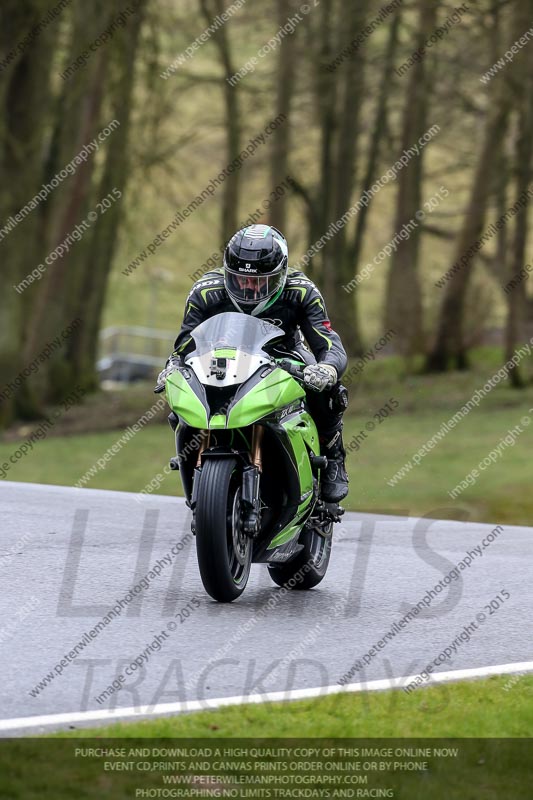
x: 334, y: 484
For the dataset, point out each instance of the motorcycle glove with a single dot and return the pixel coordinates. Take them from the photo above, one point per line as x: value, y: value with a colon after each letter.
x: 173, y: 363
x: 320, y: 377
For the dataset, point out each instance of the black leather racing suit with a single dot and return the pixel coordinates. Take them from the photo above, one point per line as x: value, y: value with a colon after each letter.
x: 299, y: 311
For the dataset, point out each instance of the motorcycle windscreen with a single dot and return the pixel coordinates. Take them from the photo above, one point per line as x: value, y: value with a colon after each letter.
x: 230, y: 348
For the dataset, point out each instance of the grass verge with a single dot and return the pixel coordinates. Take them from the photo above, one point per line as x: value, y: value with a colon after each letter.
x: 496, y: 707
x: 501, y: 494
x: 379, y: 445
x: 487, y: 766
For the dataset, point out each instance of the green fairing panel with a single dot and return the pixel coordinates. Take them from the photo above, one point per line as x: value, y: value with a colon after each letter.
x: 183, y: 401
x: 302, y: 431
x: 229, y: 352
x: 275, y: 391
x: 303, y: 436
x: 294, y: 527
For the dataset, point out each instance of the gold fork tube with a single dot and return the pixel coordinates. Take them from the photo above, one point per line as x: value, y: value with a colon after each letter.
x: 206, y: 436
x: 257, y: 438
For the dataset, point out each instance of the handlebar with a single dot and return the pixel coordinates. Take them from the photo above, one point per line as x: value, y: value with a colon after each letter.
x: 293, y: 369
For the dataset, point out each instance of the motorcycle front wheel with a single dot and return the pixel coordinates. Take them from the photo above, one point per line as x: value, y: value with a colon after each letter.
x: 224, y: 551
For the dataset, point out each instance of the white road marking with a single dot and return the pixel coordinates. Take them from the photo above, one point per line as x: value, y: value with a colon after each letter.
x: 162, y: 709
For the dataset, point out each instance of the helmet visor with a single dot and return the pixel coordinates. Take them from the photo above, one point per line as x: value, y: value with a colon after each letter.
x: 250, y: 290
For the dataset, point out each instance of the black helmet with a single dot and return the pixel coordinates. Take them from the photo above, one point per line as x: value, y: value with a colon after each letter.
x: 255, y: 267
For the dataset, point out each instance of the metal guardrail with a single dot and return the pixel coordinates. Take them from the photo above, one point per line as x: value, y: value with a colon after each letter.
x: 132, y: 353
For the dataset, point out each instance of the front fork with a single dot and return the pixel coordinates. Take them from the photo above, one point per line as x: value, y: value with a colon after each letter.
x: 251, y: 503
x: 251, y: 477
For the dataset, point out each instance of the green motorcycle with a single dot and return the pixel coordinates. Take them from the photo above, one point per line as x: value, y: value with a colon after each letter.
x: 249, y: 459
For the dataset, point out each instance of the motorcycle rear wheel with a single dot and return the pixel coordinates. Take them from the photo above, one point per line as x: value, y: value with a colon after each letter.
x: 224, y: 551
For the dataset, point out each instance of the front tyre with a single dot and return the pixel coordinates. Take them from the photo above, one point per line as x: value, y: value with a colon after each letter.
x: 310, y: 565
x: 224, y: 551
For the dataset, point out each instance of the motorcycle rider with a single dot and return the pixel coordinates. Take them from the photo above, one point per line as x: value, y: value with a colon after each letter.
x: 255, y: 279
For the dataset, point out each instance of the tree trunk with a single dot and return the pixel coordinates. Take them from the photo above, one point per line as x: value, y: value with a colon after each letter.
x: 24, y: 122
x: 523, y: 160
x: 449, y: 345
x: 376, y: 137
x: 449, y: 349
x: 279, y: 166
x: 326, y: 98
x: 83, y: 345
x: 78, y: 122
x: 231, y: 196
x: 340, y: 164
x: 403, y: 305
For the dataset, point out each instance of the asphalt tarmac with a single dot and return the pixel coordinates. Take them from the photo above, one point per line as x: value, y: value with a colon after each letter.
x: 68, y: 557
